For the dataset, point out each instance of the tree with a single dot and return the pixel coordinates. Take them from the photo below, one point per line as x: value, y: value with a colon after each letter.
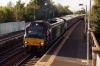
x: 2, y: 17
x: 19, y: 10
x: 80, y: 12
x: 6, y: 14
x: 29, y: 11
x: 10, y: 4
x: 42, y: 9
x: 95, y: 18
x: 62, y: 10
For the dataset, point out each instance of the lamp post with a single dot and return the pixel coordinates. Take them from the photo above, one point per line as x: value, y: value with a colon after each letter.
x: 89, y: 16
x: 35, y: 9
x: 85, y: 18
x: 34, y: 13
x: 53, y: 9
x: 87, y: 33
x: 16, y: 14
x: 53, y: 14
x: 46, y: 13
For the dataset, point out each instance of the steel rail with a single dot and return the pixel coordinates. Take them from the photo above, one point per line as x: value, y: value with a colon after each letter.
x: 9, y: 49
x: 9, y: 56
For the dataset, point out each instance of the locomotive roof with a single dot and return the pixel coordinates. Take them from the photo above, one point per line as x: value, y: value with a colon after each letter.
x: 49, y: 23
x: 57, y: 20
x: 39, y: 22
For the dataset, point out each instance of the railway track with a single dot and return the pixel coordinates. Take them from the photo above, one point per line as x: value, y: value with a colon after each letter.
x: 10, y: 49
x: 10, y: 34
x: 11, y: 41
x: 29, y: 60
x: 21, y: 61
x: 7, y: 55
x: 10, y: 38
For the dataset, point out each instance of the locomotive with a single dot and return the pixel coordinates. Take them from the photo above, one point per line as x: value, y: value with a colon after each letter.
x: 40, y: 35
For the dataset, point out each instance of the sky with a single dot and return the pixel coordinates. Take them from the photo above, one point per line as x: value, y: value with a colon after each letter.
x: 73, y: 4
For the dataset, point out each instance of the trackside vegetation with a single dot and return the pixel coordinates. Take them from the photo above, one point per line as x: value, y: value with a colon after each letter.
x: 80, y: 12
x: 95, y: 18
x: 44, y: 9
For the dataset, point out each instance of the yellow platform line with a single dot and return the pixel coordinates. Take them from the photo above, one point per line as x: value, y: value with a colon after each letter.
x: 84, y: 60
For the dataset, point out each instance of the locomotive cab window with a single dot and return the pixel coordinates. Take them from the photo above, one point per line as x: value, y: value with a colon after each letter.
x: 35, y: 30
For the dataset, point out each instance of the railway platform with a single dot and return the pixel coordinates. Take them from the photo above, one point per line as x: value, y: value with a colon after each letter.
x: 69, y: 50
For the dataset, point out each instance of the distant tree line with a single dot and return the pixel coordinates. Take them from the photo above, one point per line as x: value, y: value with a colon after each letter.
x: 42, y: 9
x: 80, y: 12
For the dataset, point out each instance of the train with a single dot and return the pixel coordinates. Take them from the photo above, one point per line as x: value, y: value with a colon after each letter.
x: 40, y: 35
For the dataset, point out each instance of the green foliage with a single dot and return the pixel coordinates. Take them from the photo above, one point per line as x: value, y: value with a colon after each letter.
x: 80, y: 12
x: 19, y: 10
x: 42, y: 9
x: 95, y: 16
x: 62, y: 10
x: 6, y: 14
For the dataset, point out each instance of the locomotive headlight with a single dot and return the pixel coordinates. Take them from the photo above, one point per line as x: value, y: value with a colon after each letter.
x: 42, y: 44
x: 26, y: 42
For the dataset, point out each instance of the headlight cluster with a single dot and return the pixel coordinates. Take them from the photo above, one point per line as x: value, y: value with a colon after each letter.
x: 41, y: 43
x: 25, y: 42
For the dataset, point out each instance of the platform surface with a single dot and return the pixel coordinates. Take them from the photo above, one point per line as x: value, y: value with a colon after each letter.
x: 70, y: 50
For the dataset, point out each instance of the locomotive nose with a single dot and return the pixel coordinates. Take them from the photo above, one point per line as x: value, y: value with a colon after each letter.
x: 33, y: 42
